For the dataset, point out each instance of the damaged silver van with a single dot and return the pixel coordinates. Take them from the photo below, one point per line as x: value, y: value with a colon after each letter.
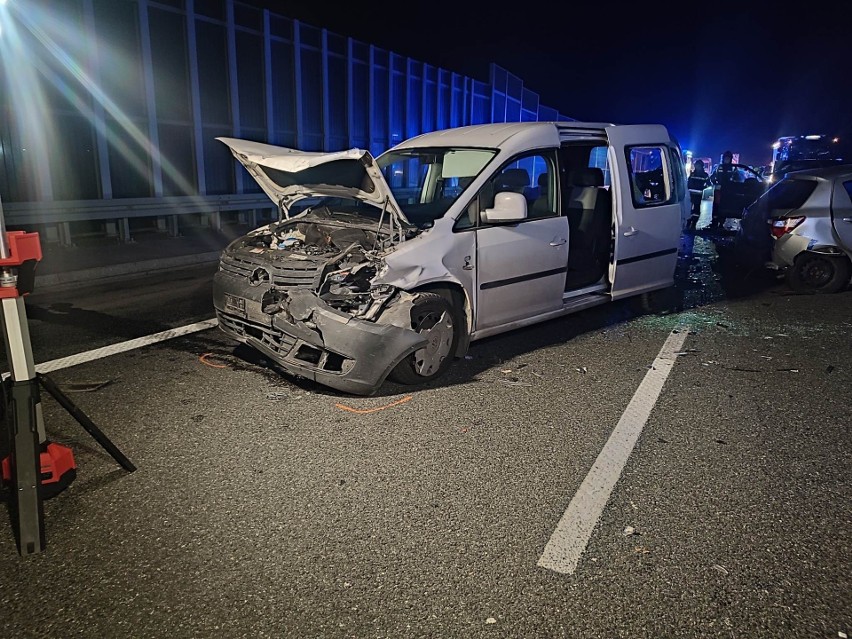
x: 390, y: 266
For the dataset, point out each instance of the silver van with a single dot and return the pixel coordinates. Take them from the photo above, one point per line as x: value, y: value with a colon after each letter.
x: 392, y: 266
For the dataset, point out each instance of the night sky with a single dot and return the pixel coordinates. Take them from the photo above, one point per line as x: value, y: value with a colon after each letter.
x: 718, y: 75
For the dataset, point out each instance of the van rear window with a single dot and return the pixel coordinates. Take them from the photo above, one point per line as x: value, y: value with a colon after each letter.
x: 789, y: 194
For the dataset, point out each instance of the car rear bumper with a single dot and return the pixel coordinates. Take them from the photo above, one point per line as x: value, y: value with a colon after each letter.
x: 787, y: 248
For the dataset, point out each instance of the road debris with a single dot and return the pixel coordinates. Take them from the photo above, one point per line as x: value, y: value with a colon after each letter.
x: 468, y: 357
x: 490, y: 620
x: 582, y: 370
x: 720, y: 569
x: 84, y: 387
x: 514, y: 381
x: 787, y: 370
x: 629, y: 531
x: 829, y: 368
x: 642, y: 550
x: 277, y: 396
x: 365, y: 411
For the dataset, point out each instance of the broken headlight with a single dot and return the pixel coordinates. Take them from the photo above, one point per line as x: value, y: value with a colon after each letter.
x: 348, y: 289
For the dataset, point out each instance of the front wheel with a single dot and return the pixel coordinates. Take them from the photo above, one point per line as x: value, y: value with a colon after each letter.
x: 434, y: 318
x: 819, y: 273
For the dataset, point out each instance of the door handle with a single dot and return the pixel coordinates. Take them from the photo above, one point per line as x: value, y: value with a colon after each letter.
x: 847, y: 219
x: 630, y: 231
x: 558, y: 242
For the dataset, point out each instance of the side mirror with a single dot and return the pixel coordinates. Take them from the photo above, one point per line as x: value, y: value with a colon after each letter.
x: 508, y: 207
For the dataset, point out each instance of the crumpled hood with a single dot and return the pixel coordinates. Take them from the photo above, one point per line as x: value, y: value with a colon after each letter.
x: 288, y: 175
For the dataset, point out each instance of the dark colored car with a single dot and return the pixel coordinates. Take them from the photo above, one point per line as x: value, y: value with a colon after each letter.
x: 734, y: 191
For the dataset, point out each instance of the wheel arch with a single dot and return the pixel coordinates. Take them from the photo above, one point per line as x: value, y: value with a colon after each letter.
x: 455, y: 294
x: 840, y: 279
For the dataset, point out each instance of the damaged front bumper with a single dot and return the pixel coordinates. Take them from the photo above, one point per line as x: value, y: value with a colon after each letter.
x: 308, y: 338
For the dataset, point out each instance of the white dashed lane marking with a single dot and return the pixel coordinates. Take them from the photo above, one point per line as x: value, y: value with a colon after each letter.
x: 573, y: 531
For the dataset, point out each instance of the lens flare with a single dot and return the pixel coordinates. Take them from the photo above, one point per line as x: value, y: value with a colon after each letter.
x: 39, y: 44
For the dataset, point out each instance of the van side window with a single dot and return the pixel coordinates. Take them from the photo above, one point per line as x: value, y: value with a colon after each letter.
x: 650, y: 178
x: 532, y: 175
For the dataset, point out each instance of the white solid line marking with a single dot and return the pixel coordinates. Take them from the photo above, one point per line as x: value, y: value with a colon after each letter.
x: 112, y: 349
x: 573, y: 531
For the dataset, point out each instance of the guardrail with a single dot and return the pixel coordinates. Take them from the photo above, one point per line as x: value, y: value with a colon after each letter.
x: 58, y: 216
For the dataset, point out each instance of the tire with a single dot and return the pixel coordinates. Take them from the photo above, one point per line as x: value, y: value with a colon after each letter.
x: 819, y: 273
x: 663, y: 301
x: 433, y: 316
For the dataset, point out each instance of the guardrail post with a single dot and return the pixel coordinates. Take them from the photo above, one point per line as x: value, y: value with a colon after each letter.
x: 168, y: 224
x: 124, y: 230
x: 174, y: 227
x: 216, y: 220
x: 64, y: 229
x: 51, y: 234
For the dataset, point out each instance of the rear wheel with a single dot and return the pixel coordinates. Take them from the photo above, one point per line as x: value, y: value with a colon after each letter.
x: 819, y: 273
x: 434, y: 318
x: 663, y: 301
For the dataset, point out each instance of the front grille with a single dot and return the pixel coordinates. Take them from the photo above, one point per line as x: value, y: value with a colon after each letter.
x: 273, y: 339
x: 286, y: 273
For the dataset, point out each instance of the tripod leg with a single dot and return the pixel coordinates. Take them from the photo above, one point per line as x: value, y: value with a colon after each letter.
x: 86, y: 423
x: 29, y: 508
x: 23, y: 420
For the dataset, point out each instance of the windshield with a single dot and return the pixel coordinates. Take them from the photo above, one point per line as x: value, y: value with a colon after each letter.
x: 427, y: 181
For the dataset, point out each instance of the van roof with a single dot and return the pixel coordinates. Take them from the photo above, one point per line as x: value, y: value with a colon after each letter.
x: 497, y: 135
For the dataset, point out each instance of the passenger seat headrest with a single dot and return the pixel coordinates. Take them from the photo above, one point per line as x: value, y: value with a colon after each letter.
x: 591, y: 176
x: 514, y: 179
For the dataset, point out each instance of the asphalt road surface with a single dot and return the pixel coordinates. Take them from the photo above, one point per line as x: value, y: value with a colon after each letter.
x: 270, y: 507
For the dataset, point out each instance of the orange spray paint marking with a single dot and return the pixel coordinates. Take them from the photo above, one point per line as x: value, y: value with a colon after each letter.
x: 365, y: 411
x: 203, y: 360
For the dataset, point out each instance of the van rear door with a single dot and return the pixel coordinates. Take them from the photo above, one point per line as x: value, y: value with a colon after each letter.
x: 649, y: 198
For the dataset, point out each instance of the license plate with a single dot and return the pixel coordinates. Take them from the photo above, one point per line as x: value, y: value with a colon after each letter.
x: 235, y: 304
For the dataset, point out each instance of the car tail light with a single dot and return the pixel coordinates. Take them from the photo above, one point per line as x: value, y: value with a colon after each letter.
x: 782, y: 225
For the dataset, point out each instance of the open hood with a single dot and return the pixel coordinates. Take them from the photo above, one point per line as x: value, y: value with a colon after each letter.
x: 287, y: 175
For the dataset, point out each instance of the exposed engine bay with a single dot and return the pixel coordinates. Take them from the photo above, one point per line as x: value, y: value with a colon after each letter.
x: 337, y: 255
